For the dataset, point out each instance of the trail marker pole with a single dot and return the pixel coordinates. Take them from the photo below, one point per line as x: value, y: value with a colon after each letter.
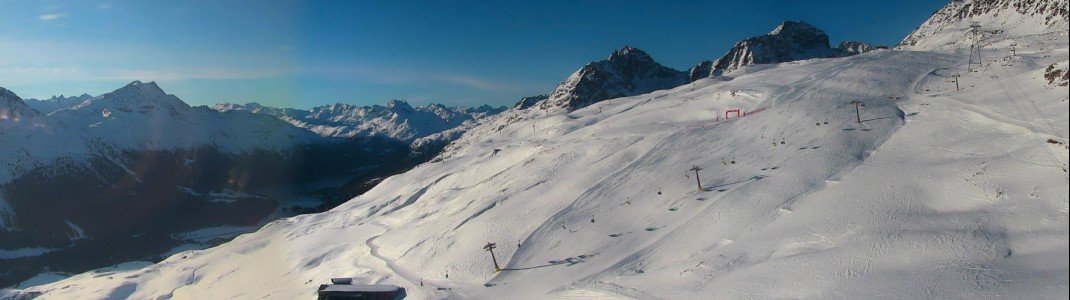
x: 858, y: 114
x: 490, y: 248
x: 698, y: 181
x: 956, y: 77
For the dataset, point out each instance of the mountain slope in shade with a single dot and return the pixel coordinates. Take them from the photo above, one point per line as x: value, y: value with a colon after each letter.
x: 530, y: 101
x: 949, y: 27
x: 28, y: 139
x: 55, y: 103
x: 396, y: 119
x: 626, y: 72
x: 120, y: 176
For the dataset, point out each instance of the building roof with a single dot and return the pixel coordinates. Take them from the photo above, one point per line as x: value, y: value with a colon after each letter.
x: 350, y: 288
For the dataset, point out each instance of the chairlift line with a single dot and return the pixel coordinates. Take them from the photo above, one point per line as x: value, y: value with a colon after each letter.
x: 1051, y: 155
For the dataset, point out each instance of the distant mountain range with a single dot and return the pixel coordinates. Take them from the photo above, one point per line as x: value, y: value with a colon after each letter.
x: 119, y: 176
x: 396, y: 119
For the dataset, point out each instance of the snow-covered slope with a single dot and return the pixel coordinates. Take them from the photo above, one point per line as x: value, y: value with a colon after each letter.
x: 396, y: 119
x: 949, y: 27
x: 937, y: 193
x: 56, y: 103
x: 626, y: 72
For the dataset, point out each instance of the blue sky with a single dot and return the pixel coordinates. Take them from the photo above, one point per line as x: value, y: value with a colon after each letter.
x: 302, y: 54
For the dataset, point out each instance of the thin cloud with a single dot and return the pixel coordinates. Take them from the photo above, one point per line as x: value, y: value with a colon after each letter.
x: 38, y: 74
x: 196, y: 73
x: 51, y: 17
x: 104, y: 5
x: 476, y: 83
x: 394, y: 75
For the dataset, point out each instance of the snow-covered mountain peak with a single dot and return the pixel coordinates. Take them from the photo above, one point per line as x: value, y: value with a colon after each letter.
x: 141, y: 116
x: 9, y: 97
x: 401, y: 105
x: 134, y: 97
x: 629, y: 53
x: 789, y: 41
x: 627, y: 71
x: 949, y: 27
x: 16, y: 114
x: 797, y: 29
x: 139, y: 89
x: 12, y: 107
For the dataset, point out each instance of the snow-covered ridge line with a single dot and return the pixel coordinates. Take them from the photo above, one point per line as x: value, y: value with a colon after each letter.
x: 142, y: 116
x: 789, y: 41
x: 396, y: 119
x: 949, y: 27
x: 630, y: 71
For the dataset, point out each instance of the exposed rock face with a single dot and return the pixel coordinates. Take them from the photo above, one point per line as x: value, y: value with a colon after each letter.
x: 849, y: 48
x: 702, y: 70
x: 1057, y: 74
x: 949, y: 27
x: 790, y: 41
x: 526, y: 102
x: 628, y: 71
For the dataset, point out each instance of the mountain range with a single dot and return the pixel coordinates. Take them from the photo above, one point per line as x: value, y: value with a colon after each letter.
x: 630, y: 71
x: 396, y: 119
x: 849, y: 172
